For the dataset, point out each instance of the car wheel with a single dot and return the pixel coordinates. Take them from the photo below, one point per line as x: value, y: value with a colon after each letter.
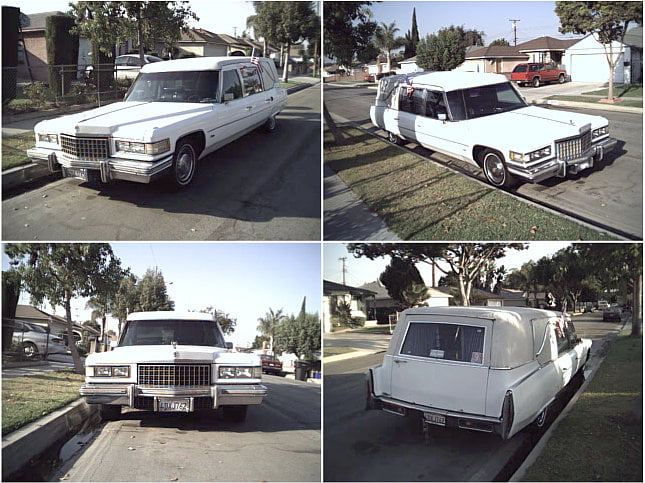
x: 561, y: 79
x: 29, y: 350
x: 270, y: 125
x: 394, y: 139
x: 541, y: 418
x: 109, y: 412
x: 235, y: 414
x: 495, y: 169
x: 184, y: 164
x: 536, y: 82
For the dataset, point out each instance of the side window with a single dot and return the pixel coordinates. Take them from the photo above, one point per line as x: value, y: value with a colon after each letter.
x: 412, y: 103
x: 251, y: 79
x: 451, y: 342
x: 561, y: 336
x: 231, y: 84
x: 534, y: 68
x: 435, y: 105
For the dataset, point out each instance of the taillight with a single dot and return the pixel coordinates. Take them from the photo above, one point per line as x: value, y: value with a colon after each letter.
x: 508, y: 411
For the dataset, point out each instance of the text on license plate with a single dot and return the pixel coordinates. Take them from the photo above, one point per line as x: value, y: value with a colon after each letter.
x: 175, y: 405
x: 433, y: 418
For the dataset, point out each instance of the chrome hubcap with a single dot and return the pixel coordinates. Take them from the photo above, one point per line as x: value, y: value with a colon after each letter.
x: 494, y: 168
x: 185, y: 164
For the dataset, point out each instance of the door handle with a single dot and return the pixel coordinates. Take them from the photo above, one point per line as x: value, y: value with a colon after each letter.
x: 396, y: 118
x: 269, y: 99
x: 248, y: 108
x: 400, y: 361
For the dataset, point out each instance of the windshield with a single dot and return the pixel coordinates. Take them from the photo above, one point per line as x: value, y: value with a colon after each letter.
x: 162, y: 332
x: 483, y: 101
x: 188, y: 86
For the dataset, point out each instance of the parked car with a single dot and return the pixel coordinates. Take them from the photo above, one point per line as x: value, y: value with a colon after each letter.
x: 172, y: 362
x: 482, y: 119
x: 538, y: 73
x: 271, y: 365
x: 125, y: 66
x: 175, y: 113
x: 627, y: 309
x: 487, y: 369
x: 602, y: 304
x: 35, y: 341
x: 368, y: 78
x: 612, y: 313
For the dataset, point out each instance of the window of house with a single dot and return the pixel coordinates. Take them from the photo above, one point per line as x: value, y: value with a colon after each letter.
x: 412, y: 103
x: 21, y: 52
x: 451, y: 342
x: 231, y: 84
x: 251, y: 80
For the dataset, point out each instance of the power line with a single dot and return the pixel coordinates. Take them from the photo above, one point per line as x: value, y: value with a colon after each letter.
x: 344, y: 260
x: 514, y: 29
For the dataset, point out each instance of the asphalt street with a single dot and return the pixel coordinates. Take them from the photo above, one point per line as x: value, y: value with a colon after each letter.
x: 279, y: 441
x: 260, y: 187
x: 610, y: 194
x: 376, y: 446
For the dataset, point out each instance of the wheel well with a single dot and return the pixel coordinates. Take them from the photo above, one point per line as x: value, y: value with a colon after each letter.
x: 197, y: 139
x: 478, y: 154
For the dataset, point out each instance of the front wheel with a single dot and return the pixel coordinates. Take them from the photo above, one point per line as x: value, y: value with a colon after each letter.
x: 235, y: 414
x: 29, y: 350
x: 184, y: 164
x: 495, y: 170
x: 109, y: 412
x: 540, y: 421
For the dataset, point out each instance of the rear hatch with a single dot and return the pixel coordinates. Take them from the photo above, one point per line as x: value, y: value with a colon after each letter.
x: 443, y: 363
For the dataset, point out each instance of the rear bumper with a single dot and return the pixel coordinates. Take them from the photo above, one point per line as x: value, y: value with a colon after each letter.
x: 108, y: 169
x: 128, y: 394
x: 560, y: 168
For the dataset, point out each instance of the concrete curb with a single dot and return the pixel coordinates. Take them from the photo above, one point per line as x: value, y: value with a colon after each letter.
x: 589, y: 105
x: 28, y: 442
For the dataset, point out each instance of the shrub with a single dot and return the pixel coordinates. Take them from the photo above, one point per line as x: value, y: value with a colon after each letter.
x: 38, y: 93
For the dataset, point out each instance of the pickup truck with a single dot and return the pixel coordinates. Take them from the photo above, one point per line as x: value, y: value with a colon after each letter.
x: 538, y: 73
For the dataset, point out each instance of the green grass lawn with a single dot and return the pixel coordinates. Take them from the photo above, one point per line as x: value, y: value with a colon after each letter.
x: 289, y: 84
x: 635, y: 90
x: 26, y: 399
x: 594, y: 100
x: 14, y: 149
x: 420, y: 200
x: 601, y: 439
x: 334, y: 351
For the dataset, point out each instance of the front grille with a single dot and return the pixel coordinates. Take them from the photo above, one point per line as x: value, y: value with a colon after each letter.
x: 174, y: 375
x: 573, y: 147
x: 86, y: 149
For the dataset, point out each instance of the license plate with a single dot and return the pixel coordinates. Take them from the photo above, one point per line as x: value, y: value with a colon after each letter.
x: 433, y: 418
x: 174, y: 405
x: 78, y: 173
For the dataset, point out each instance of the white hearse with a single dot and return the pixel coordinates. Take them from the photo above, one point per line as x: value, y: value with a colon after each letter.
x: 483, y: 119
x: 174, y: 114
x: 172, y: 362
x: 481, y: 368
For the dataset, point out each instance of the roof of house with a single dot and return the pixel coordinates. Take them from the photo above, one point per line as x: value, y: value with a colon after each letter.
x: 634, y: 37
x: 411, y: 60
x: 37, y: 21
x: 495, y: 52
x: 30, y: 312
x: 331, y: 287
x: 546, y: 43
x: 382, y: 294
x: 201, y: 35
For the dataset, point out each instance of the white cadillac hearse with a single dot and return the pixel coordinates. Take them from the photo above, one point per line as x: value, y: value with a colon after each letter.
x: 172, y: 361
x: 482, y: 119
x: 174, y: 114
x: 481, y: 368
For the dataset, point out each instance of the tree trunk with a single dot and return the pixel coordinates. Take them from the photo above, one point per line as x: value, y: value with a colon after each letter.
x: 71, y: 342
x: 103, y: 322
x: 140, y: 37
x: 315, y: 58
x: 637, y: 309
x: 285, y: 71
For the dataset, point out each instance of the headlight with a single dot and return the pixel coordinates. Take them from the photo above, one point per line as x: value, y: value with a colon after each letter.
x: 143, y: 148
x: 532, y: 156
x: 240, y: 372
x: 600, y: 132
x: 109, y: 371
x: 47, y: 138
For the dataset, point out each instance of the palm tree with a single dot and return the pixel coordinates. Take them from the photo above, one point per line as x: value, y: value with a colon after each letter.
x: 386, y: 41
x: 100, y: 306
x: 268, y: 325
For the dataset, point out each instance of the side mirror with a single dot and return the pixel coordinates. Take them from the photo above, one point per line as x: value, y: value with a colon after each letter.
x: 442, y: 117
x: 228, y: 97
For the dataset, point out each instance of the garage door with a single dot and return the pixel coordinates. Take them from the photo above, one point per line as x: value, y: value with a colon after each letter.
x: 590, y: 68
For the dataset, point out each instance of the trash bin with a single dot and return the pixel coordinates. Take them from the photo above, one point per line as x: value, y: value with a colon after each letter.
x: 302, y: 369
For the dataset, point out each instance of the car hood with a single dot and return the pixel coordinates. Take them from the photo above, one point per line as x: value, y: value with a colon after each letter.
x: 168, y: 354
x: 539, y: 126
x: 131, y: 120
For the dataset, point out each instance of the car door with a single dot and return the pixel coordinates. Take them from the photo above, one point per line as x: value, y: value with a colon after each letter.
x: 443, y: 365
x: 230, y: 117
x: 567, y: 361
x: 406, y: 118
x: 258, y: 104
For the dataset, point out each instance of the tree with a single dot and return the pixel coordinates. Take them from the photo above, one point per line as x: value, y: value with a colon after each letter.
x: 153, y: 295
x: 62, y: 49
x: 606, y: 21
x: 268, y: 325
x: 500, y: 42
x: 225, y: 321
x: 385, y: 40
x: 10, y: 295
x: 299, y: 335
x: 412, y: 37
x: 441, y: 51
x: 347, y: 31
x: 59, y: 272
x: 466, y: 261
x: 258, y: 342
x: 126, y: 299
x: 404, y: 283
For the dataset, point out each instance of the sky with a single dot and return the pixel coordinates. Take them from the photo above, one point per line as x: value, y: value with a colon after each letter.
x: 536, y: 18
x: 363, y: 270
x: 242, y: 279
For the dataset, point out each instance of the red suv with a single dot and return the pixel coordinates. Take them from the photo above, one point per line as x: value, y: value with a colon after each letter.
x: 537, y: 74
x: 271, y: 365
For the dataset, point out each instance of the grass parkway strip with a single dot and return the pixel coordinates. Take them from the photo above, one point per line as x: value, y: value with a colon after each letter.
x: 420, y: 200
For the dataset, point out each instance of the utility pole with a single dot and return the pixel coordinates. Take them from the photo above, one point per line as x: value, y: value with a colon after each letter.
x: 235, y: 32
x: 514, y: 30
x: 344, y: 260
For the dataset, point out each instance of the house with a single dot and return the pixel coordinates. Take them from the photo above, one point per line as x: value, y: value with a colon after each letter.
x: 336, y: 293
x: 202, y: 43
x: 634, y: 39
x: 546, y: 49
x: 498, y: 59
x: 56, y: 325
x: 505, y: 298
x: 409, y: 65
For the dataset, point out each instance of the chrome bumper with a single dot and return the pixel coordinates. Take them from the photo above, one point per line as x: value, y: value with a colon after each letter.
x: 125, y: 394
x: 109, y: 169
x: 561, y: 168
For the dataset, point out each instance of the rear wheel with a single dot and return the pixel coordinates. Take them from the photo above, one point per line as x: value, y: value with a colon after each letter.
x: 394, y: 139
x: 110, y: 412
x: 561, y: 78
x: 495, y: 169
x: 235, y: 414
x: 536, y: 82
x: 270, y: 125
x: 30, y: 350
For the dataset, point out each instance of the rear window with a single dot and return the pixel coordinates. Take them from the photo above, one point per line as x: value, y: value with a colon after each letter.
x: 450, y: 342
x: 520, y: 68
